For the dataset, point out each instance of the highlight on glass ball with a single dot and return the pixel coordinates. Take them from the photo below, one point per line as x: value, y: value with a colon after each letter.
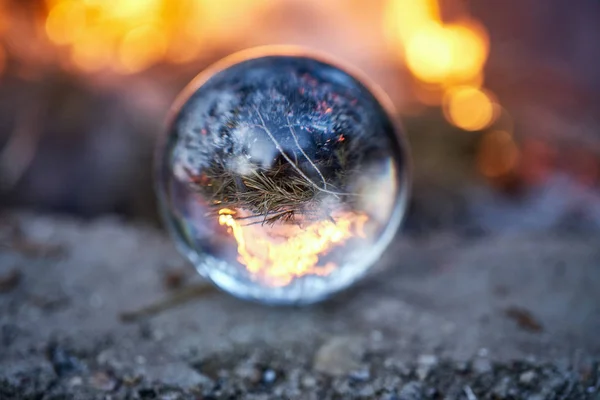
x: 282, y: 176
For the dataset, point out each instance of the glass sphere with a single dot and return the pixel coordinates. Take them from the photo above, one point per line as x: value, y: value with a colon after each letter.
x: 282, y: 176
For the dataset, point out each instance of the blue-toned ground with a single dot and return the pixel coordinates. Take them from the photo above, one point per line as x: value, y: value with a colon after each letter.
x: 96, y: 312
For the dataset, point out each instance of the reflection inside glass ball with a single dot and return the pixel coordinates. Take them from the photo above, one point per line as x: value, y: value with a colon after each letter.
x: 281, y: 177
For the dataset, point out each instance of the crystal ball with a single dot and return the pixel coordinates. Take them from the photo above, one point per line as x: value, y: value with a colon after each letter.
x: 282, y: 176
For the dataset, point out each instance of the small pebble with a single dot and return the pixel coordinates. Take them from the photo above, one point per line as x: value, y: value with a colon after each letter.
x: 425, y: 363
x: 481, y: 365
x: 269, y: 376
x: 366, y: 392
x: 469, y: 393
x: 501, y: 389
x: 360, y: 375
x: 397, y: 365
x: 102, y: 381
x: 411, y: 391
x: 309, y: 382
x: 75, y: 381
x: 527, y: 377
x: 248, y: 372
x: 338, y: 356
x: 170, y: 396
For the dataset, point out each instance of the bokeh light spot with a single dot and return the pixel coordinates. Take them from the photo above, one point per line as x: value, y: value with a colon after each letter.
x: 141, y: 48
x: 91, y: 51
x: 469, y: 50
x: 405, y: 17
x: 429, y: 53
x: 65, y: 22
x: 469, y: 108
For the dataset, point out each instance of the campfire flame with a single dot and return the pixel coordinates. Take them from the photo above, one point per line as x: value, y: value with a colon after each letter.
x: 443, y: 56
x: 447, y: 58
x: 129, y: 36
x: 281, y: 253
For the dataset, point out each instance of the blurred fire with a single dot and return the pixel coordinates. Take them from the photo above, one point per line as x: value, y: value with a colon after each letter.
x: 285, y: 252
x: 442, y: 45
x: 468, y: 107
x: 446, y: 54
x: 3, y: 26
x: 442, y: 54
x: 129, y: 36
x: 448, y: 60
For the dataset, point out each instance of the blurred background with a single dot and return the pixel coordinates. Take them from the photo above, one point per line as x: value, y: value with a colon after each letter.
x: 500, y: 99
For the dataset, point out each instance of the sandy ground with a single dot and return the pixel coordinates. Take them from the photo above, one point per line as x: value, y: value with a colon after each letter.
x: 103, y: 309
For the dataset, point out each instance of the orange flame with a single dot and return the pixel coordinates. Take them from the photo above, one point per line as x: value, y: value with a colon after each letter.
x: 469, y: 108
x: 286, y: 252
x: 130, y: 36
x: 446, y: 55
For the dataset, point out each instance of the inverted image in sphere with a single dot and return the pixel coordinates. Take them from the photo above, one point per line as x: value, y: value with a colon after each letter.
x: 281, y: 177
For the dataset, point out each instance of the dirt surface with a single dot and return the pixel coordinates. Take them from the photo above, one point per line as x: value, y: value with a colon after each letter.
x: 107, y: 310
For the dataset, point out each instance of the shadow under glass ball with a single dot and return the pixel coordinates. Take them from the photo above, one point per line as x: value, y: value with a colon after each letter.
x: 281, y: 177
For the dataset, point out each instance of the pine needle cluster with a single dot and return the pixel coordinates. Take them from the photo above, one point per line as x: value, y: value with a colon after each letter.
x: 276, y: 194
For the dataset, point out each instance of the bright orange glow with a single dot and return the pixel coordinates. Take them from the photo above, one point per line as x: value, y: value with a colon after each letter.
x: 438, y: 53
x: 141, y: 48
x: 136, y: 10
x: 284, y: 252
x: 4, y: 18
x: 442, y: 54
x: 429, y: 53
x: 498, y: 154
x: 469, y: 108
x: 405, y: 17
x: 90, y: 52
x: 130, y: 36
x: 184, y: 50
x: 475, y: 81
x: 65, y: 22
x: 469, y: 50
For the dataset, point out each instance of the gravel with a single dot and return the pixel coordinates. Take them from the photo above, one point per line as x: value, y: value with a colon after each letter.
x: 440, y: 317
